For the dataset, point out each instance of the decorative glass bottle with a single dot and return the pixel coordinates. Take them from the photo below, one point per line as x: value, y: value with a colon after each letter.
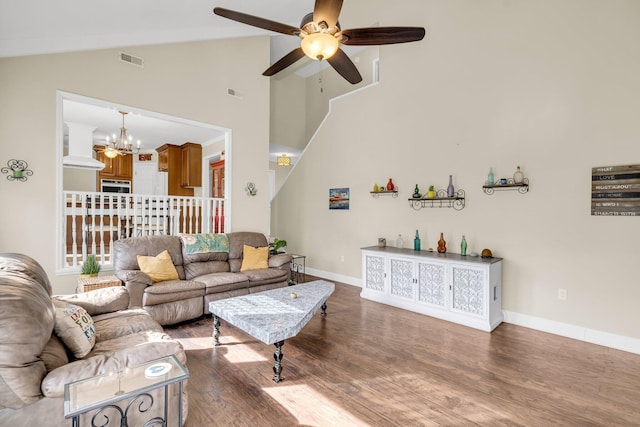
x: 450, y: 190
x: 490, y: 180
x: 416, y: 192
x: 399, y: 241
x: 518, y: 176
x: 442, y: 244
x: 416, y: 242
x: 390, y: 186
x: 463, y: 246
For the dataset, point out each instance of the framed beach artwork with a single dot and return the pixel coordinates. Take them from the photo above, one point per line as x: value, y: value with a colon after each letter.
x: 339, y: 198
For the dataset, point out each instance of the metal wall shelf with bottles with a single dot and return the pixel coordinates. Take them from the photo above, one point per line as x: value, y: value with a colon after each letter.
x: 376, y: 194
x: 441, y: 200
x: 509, y: 184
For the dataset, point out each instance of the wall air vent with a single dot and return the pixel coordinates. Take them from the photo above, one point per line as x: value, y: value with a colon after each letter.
x: 234, y: 93
x: 125, y: 57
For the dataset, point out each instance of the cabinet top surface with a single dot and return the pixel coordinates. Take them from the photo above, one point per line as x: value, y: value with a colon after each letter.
x: 448, y: 256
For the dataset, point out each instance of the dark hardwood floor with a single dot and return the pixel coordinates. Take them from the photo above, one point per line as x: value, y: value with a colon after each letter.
x: 367, y: 364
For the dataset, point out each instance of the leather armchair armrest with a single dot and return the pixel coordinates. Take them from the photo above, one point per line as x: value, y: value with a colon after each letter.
x: 99, y: 301
x: 279, y: 260
x: 135, y: 281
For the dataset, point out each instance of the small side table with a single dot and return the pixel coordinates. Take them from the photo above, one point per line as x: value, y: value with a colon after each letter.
x: 298, y: 269
x: 131, y: 386
x: 90, y: 283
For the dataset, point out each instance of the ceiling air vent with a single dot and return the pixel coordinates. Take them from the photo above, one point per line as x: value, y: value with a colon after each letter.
x: 125, y: 57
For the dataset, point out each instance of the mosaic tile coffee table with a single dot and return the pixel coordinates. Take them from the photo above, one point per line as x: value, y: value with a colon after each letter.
x: 273, y: 316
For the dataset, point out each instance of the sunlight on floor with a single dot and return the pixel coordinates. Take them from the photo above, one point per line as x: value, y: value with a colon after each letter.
x: 234, y: 350
x: 311, y: 408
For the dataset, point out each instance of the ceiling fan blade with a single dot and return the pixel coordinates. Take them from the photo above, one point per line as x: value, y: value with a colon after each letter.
x: 257, y: 21
x: 382, y: 35
x: 327, y: 11
x: 343, y: 65
x: 291, y: 57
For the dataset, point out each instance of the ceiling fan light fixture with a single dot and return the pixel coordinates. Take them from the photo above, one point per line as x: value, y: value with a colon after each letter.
x: 284, y: 160
x: 319, y: 45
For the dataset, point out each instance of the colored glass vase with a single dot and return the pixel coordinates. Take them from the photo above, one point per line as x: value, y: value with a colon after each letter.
x: 390, y: 186
x: 518, y: 176
x: 490, y: 178
x: 463, y: 246
x: 450, y: 190
x: 416, y: 242
x: 442, y: 244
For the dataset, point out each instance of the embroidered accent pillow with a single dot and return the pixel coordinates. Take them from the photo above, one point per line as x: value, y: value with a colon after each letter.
x: 203, y: 243
x: 159, y: 268
x: 254, y: 258
x: 74, y: 326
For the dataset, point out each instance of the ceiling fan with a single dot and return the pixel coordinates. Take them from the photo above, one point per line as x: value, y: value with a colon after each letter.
x: 321, y: 36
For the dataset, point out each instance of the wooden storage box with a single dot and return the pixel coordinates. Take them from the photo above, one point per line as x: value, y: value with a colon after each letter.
x: 91, y: 283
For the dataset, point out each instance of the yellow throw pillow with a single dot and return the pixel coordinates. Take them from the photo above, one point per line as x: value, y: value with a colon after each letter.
x: 254, y: 258
x: 158, y: 268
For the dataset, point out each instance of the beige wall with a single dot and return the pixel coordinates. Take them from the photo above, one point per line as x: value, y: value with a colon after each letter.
x: 187, y: 80
x: 550, y: 86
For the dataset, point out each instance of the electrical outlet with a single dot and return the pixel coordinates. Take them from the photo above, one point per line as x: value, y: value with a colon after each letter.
x: 562, y: 294
x: 342, y: 258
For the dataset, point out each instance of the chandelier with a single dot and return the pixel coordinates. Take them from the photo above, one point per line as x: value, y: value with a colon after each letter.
x: 122, y: 145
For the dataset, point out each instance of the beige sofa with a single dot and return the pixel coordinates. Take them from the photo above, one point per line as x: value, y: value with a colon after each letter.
x: 35, y: 359
x: 202, y: 277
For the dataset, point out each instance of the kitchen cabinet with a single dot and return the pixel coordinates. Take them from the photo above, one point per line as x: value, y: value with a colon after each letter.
x: 217, y: 179
x: 119, y: 167
x: 172, y: 161
x: 462, y: 289
x: 191, y: 165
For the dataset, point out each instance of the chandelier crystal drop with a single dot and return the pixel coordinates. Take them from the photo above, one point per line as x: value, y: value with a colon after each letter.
x: 122, y: 145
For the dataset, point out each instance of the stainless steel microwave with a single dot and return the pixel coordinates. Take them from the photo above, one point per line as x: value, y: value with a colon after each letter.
x: 115, y: 186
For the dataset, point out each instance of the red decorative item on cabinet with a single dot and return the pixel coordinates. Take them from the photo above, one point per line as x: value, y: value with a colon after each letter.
x: 390, y: 186
x: 442, y: 244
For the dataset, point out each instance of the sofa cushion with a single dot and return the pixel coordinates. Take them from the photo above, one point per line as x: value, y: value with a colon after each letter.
x: 159, y: 268
x: 267, y: 275
x: 172, y: 290
x: 254, y: 258
x: 238, y: 239
x: 196, y: 269
x: 221, y: 282
x: 126, y: 322
x: 54, y: 354
x: 112, y: 356
x: 125, y: 251
x: 26, y: 324
x: 74, y: 326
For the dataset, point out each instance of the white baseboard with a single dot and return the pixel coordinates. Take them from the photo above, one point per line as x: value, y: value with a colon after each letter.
x: 354, y: 281
x: 593, y: 336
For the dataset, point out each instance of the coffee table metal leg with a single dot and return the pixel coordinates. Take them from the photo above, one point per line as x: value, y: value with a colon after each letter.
x: 277, y: 365
x: 324, y: 309
x: 216, y: 330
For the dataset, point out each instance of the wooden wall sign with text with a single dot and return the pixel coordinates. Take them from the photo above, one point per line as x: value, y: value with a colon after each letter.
x: 144, y: 157
x: 615, y: 190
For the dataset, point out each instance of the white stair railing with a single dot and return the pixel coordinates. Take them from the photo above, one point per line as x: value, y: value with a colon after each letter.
x: 94, y: 220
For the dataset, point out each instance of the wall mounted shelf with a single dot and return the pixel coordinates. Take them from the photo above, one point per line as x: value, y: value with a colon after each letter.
x: 376, y: 194
x: 440, y: 201
x: 510, y: 185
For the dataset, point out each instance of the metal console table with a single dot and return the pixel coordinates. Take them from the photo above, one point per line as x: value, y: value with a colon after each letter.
x: 298, y: 269
x: 118, y: 393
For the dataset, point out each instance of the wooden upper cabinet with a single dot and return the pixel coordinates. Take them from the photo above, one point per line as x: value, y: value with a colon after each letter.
x: 183, y: 164
x: 191, y: 165
x: 119, y: 167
